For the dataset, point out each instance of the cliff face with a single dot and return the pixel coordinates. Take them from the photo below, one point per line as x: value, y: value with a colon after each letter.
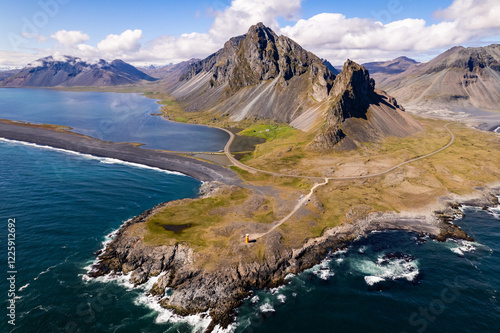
x: 261, y: 75
x: 357, y: 113
x: 458, y: 78
x: 71, y: 71
x: 256, y: 76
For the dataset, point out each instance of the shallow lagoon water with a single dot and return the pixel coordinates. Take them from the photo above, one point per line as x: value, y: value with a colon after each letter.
x: 116, y: 117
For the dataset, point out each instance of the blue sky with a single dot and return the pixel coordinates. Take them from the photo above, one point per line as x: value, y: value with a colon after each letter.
x: 161, y: 32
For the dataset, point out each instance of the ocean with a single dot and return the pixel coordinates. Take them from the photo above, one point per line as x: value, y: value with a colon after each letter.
x: 66, y: 206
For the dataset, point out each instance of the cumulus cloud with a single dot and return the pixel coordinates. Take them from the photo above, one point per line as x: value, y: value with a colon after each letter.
x: 238, y: 17
x: 330, y: 35
x: 128, y: 41
x: 70, y: 38
x: 334, y: 36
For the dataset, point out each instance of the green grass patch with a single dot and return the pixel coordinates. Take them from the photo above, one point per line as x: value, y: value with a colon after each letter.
x: 180, y: 119
x: 268, y: 131
x: 197, y: 214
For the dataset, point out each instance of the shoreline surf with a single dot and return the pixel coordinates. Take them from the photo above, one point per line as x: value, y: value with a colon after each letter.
x: 123, y: 152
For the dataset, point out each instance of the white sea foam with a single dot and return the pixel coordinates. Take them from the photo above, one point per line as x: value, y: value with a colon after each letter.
x: 266, y: 307
x: 322, y: 270
x: 371, y: 280
x: 281, y: 298
x: 494, y: 211
x: 105, y: 160
x: 463, y: 247
x: 255, y: 299
x: 387, y: 269
x: 24, y: 287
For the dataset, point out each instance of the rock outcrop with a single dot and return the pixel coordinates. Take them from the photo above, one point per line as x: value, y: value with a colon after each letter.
x: 197, y: 290
x: 70, y: 71
x: 193, y: 289
x: 357, y: 113
x: 259, y: 75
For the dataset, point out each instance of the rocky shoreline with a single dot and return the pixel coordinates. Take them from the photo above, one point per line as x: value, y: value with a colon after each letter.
x: 220, y: 292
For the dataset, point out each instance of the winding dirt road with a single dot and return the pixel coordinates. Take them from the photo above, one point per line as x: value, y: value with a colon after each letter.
x: 227, y: 151
x: 305, y: 199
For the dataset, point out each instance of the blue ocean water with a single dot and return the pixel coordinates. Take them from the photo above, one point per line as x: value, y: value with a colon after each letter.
x: 114, y: 117
x: 65, y: 205
x: 392, y: 282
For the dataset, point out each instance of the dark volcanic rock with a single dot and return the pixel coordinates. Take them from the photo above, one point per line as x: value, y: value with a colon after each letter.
x: 259, y: 75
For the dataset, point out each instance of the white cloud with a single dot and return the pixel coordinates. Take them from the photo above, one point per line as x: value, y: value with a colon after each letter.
x: 127, y: 41
x: 70, y: 38
x: 242, y: 14
x: 334, y: 36
x: 329, y: 35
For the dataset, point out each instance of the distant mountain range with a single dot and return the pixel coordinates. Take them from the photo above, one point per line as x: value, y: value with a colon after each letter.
x: 459, y: 78
x: 71, y: 71
x: 261, y: 75
x: 382, y: 70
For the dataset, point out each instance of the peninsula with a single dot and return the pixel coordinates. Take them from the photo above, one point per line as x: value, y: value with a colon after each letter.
x: 339, y: 158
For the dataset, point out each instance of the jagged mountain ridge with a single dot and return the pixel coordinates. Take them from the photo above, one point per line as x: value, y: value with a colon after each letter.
x: 358, y: 112
x: 264, y: 76
x: 458, y: 78
x: 72, y: 71
x: 256, y: 76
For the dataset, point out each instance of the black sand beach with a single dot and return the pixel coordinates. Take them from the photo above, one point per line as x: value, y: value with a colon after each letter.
x: 122, y: 151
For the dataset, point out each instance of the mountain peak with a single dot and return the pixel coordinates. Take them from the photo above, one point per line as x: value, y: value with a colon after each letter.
x: 260, y: 55
x: 66, y: 70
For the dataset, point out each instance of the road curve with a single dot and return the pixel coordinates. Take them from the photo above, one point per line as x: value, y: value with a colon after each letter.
x: 302, y: 201
x: 227, y: 151
x: 305, y: 199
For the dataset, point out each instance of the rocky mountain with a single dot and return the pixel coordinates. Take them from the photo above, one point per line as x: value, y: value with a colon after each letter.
x: 357, y: 112
x: 458, y: 78
x: 8, y: 73
x: 71, y: 71
x: 171, y: 70
x: 258, y: 76
x: 382, y: 70
x: 261, y: 75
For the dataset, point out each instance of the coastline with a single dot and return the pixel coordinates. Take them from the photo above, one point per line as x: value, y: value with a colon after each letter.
x: 176, y: 269
x: 126, y: 152
x: 219, y: 293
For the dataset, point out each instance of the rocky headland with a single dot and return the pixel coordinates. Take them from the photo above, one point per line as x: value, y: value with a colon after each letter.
x: 195, y: 289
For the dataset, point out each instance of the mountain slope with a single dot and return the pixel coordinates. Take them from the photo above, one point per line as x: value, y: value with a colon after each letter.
x: 382, y: 70
x: 255, y: 76
x: 360, y: 113
x: 264, y: 76
x: 71, y: 71
x: 458, y: 78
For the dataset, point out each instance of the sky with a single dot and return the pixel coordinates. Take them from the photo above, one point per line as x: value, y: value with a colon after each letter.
x: 163, y: 32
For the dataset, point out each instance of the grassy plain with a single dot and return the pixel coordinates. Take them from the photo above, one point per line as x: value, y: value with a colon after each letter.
x: 216, y: 224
